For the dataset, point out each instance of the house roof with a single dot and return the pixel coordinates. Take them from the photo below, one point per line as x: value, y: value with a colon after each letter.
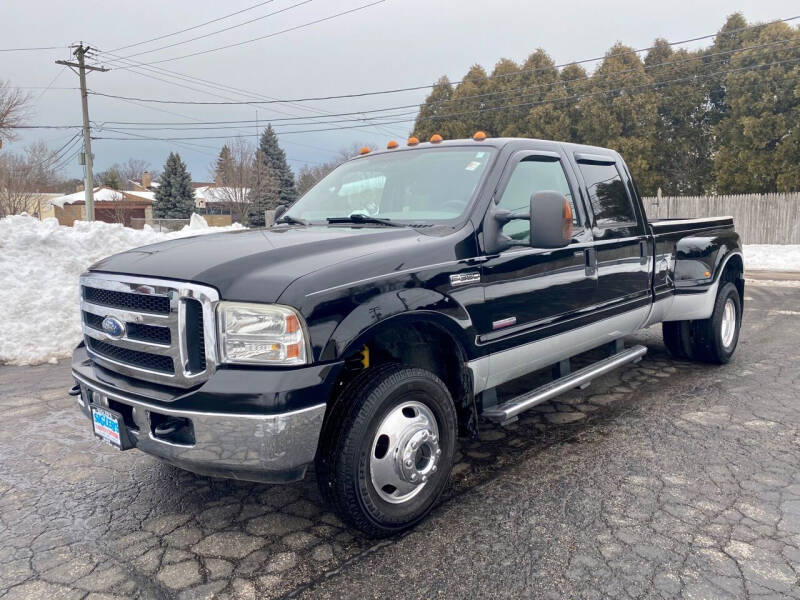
x: 104, y: 194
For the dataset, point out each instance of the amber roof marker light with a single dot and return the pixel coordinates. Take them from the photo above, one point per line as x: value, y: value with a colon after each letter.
x: 435, y: 138
x: 412, y: 141
x: 392, y: 145
x: 365, y: 150
x: 479, y: 136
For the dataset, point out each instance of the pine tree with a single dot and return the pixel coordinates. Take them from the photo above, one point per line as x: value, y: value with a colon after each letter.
x: 175, y: 195
x: 272, y: 161
x: 265, y: 191
x: 432, y: 117
x: 224, y: 166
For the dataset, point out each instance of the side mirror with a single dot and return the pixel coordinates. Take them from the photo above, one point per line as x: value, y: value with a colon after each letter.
x: 551, y: 220
x: 279, y: 212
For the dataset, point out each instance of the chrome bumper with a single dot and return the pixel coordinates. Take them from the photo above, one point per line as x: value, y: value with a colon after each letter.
x: 264, y: 448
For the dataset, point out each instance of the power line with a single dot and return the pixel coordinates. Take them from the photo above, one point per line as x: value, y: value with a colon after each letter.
x: 505, y: 93
x: 428, y: 86
x: 446, y: 116
x: 200, y: 37
x: 270, y: 35
x: 526, y: 104
x: 161, y: 37
x: 216, y: 85
x: 32, y: 49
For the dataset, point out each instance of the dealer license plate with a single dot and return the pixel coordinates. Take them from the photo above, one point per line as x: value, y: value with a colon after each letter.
x: 106, y: 426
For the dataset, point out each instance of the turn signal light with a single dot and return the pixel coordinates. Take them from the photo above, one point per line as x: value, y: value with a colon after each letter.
x: 479, y: 136
x: 365, y: 150
x: 392, y: 145
x: 436, y: 138
x: 412, y: 141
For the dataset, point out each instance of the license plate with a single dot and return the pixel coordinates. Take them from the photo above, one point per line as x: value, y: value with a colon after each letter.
x: 106, y: 426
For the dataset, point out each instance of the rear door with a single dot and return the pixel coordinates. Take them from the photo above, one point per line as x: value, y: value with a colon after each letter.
x: 621, y: 249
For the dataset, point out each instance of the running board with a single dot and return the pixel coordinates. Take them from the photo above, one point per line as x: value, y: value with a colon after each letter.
x: 507, y: 411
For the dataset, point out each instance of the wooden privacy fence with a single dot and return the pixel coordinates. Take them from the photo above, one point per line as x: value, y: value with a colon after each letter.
x: 759, y: 218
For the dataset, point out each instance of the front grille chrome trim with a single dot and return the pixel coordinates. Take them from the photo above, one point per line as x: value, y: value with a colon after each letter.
x: 178, y: 293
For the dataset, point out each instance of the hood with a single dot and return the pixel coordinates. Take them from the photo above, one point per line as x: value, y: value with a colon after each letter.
x: 256, y: 264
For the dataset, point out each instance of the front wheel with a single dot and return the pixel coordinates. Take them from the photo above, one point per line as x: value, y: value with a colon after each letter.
x: 387, y: 451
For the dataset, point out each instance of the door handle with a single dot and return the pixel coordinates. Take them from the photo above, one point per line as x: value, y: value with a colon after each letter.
x: 590, y: 259
x: 643, y: 253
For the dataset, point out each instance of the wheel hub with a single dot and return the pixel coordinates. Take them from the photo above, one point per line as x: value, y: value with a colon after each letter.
x: 405, y: 452
x: 418, y: 456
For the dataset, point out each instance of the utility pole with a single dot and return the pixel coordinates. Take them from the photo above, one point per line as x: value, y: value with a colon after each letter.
x: 80, y: 52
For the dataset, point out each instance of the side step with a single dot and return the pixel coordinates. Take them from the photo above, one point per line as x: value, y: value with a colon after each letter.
x: 580, y: 378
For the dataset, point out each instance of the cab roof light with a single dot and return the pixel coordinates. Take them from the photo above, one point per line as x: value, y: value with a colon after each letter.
x: 479, y: 136
x: 412, y: 141
x: 365, y: 150
x: 435, y: 138
x: 392, y: 145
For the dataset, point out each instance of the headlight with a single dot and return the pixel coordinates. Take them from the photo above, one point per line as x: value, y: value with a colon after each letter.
x: 260, y: 334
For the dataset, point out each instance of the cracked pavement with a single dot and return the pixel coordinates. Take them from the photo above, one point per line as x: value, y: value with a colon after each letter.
x: 665, y: 479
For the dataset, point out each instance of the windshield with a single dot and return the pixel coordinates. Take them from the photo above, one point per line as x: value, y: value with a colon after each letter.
x: 425, y: 185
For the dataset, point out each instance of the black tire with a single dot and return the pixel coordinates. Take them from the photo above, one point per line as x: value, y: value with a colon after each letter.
x: 344, y: 457
x: 707, y: 339
x: 677, y: 338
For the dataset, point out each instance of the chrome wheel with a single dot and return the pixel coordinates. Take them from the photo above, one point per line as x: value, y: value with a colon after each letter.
x: 405, y: 452
x: 728, y: 328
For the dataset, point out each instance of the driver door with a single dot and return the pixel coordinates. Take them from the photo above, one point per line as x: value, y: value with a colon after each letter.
x: 532, y: 294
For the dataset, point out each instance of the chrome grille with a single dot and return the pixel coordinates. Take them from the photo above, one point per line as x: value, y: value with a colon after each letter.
x: 168, y: 327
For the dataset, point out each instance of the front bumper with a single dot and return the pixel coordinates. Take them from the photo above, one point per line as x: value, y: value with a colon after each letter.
x: 249, y: 444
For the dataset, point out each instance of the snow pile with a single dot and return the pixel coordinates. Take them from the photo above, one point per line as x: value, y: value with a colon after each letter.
x: 772, y: 257
x: 40, y: 262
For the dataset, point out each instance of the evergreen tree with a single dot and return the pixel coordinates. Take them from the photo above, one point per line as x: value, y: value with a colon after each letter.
x: 175, y: 195
x: 224, y: 166
x: 759, y: 149
x: 432, y: 117
x: 265, y: 191
x: 272, y: 163
x: 683, y: 130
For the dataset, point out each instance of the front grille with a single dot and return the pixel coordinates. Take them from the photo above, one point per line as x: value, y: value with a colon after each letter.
x: 166, y: 338
x: 134, y: 358
x: 136, y: 331
x: 129, y: 301
x: 195, y: 338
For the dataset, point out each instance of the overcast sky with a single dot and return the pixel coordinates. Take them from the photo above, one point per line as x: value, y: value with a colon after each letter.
x: 394, y: 44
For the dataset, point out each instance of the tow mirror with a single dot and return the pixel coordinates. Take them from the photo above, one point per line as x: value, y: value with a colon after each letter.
x: 551, y: 220
x: 279, y: 211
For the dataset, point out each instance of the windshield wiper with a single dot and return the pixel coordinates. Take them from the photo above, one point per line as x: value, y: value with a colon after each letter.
x: 359, y: 218
x: 291, y: 220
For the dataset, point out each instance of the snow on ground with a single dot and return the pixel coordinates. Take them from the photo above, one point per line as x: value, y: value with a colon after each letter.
x: 771, y: 257
x: 40, y: 262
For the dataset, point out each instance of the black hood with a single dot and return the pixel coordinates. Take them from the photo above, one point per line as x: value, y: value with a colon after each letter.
x: 258, y: 263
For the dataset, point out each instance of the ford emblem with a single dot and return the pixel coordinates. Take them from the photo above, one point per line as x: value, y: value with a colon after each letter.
x: 113, y: 327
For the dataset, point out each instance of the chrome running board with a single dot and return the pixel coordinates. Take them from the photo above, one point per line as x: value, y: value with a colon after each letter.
x: 507, y: 411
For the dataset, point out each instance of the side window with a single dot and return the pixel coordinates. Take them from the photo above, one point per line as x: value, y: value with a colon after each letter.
x: 610, y: 202
x: 533, y: 174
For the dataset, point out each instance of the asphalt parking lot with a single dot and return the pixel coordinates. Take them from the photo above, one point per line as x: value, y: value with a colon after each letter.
x: 663, y: 480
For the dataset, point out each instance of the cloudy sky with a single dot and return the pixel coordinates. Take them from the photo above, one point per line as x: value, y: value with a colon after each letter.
x: 392, y: 44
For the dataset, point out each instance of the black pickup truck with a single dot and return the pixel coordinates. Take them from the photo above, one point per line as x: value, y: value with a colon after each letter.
x: 372, y: 323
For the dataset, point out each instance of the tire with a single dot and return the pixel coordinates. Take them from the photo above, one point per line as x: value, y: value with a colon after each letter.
x: 386, y: 411
x: 677, y: 338
x: 714, y: 340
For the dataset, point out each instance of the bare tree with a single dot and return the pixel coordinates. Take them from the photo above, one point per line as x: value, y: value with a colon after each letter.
x: 234, y: 177
x: 309, y: 176
x: 24, y: 176
x: 13, y: 110
x: 132, y: 169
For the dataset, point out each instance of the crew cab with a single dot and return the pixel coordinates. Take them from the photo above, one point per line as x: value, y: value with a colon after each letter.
x: 372, y: 323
